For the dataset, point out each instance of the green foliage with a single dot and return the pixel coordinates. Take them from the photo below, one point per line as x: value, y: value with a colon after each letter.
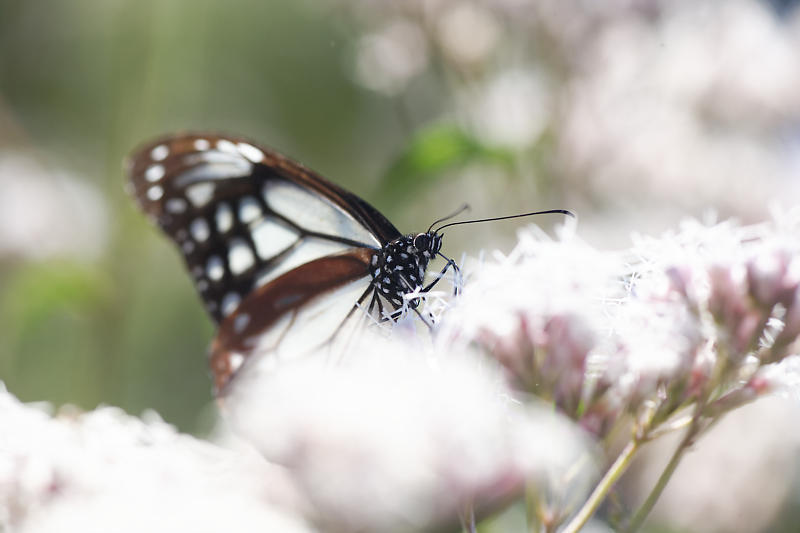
x: 48, y: 313
x: 434, y: 150
x: 37, y: 293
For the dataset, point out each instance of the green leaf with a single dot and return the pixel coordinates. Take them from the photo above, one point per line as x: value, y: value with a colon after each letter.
x: 434, y: 150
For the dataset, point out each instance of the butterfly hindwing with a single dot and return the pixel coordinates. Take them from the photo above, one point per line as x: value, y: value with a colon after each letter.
x: 243, y: 215
x: 299, y: 312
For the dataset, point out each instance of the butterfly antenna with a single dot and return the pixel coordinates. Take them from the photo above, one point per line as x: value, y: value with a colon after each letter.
x: 548, y: 212
x: 455, y: 213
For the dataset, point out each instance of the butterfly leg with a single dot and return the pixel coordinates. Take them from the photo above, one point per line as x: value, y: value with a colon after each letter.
x: 371, y: 306
x: 424, y: 320
x: 450, y: 263
x: 361, y: 299
x: 386, y: 316
x: 411, y: 304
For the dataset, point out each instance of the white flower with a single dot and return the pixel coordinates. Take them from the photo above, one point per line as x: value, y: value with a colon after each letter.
x: 397, y: 438
x: 43, y: 213
x: 106, y: 471
x: 468, y: 33
x: 387, y: 60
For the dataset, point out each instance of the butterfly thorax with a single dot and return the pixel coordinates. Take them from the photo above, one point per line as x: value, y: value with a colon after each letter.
x: 399, y: 267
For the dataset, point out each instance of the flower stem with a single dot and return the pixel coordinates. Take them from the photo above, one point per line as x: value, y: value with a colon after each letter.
x: 601, y: 491
x: 468, y: 519
x: 644, y: 510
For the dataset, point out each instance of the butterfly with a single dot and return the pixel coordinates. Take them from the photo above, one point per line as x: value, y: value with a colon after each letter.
x: 282, y: 258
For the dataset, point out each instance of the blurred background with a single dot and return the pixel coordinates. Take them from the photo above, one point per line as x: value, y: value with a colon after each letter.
x: 633, y: 113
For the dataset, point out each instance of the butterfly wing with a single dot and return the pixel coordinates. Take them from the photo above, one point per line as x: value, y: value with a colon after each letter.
x: 297, y: 313
x: 243, y: 215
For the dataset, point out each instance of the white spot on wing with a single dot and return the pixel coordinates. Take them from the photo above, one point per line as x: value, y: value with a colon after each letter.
x: 271, y: 238
x: 240, y: 322
x: 155, y: 192
x: 200, y: 193
x: 240, y: 256
x: 224, y: 218
x: 236, y: 359
x: 199, y: 229
x: 159, y: 153
x: 229, y: 303
x: 176, y: 206
x: 251, y: 152
x: 213, y: 165
x: 224, y: 145
x: 249, y: 210
x: 202, y: 144
x: 214, y: 268
x: 154, y: 173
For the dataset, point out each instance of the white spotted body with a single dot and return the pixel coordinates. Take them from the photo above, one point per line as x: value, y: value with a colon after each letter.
x: 399, y: 267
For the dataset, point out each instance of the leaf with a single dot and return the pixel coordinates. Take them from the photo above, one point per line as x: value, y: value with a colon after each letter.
x: 434, y: 150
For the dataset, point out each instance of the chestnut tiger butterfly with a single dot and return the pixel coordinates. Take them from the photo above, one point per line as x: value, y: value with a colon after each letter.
x: 273, y: 247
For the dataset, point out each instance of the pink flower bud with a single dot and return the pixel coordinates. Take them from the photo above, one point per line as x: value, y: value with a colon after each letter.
x: 768, y: 279
x: 726, y: 302
x: 746, y: 332
x: 544, y: 355
x: 567, y: 342
x: 680, y: 279
x: 514, y: 350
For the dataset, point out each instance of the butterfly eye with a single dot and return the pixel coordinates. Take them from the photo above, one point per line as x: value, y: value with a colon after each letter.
x: 422, y: 241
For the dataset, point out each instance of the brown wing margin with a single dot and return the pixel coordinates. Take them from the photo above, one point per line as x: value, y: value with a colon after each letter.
x: 260, y: 311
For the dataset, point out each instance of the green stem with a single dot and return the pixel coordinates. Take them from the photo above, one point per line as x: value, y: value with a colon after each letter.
x: 674, y: 425
x: 533, y: 510
x: 601, y: 491
x: 468, y: 519
x: 644, y: 510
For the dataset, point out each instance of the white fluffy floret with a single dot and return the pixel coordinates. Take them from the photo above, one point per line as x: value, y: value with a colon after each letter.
x: 107, y: 471
x: 399, y: 439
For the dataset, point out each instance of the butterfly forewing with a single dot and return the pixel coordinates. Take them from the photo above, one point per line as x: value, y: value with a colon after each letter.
x: 243, y: 215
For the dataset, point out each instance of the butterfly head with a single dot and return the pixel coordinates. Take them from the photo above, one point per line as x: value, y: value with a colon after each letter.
x: 428, y: 244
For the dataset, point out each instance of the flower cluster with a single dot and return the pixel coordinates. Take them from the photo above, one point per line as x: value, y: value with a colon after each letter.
x: 700, y: 316
x: 420, y: 436
x: 107, y: 471
x: 405, y: 434
x: 393, y: 439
